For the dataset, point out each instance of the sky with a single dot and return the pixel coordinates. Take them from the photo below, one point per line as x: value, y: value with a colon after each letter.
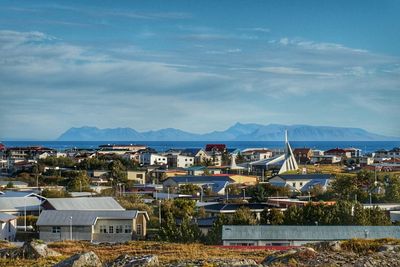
x: 197, y: 65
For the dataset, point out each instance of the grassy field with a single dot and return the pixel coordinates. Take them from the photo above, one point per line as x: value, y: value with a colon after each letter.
x: 166, y: 252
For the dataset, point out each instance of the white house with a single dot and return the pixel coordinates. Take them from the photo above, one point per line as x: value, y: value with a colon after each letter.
x: 92, y: 225
x: 8, y: 226
x: 152, y: 159
x: 301, y: 182
x: 180, y: 161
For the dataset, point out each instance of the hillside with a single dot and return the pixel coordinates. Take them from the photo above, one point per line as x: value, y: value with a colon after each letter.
x: 237, y: 132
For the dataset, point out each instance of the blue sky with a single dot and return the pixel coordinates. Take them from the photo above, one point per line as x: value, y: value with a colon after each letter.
x: 197, y: 65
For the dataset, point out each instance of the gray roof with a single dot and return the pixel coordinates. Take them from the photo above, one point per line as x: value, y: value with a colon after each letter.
x: 303, y: 176
x: 275, y: 232
x: 19, y: 203
x: 4, y: 217
x: 81, y: 217
x: 85, y: 203
x: 201, y: 179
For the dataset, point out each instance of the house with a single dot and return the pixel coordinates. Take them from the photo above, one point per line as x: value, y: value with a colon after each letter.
x: 221, y: 148
x: 127, y: 147
x: 82, y: 203
x: 325, y: 159
x: 179, y: 161
x: 8, y: 226
x: 20, y: 206
x: 301, y: 182
x: 152, y: 158
x: 255, y: 154
x: 92, y: 225
x: 138, y: 177
x: 216, y: 183
x: 303, y: 155
x: 338, y: 152
x: 15, y: 184
x: 244, y: 179
x: 395, y: 152
x: 279, y: 235
x: 196, y: 170
x: 231, y: 208
x: 354, y: 152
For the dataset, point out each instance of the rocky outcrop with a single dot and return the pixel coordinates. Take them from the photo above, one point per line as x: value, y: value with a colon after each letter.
x: 288, y: 257
x: 133, y: 261
x: 215, y: 262
x: 87, y: 259
x: 37, y: 249
x: 30, y: 250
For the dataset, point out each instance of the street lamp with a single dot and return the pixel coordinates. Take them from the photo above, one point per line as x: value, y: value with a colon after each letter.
x: 244, y: 193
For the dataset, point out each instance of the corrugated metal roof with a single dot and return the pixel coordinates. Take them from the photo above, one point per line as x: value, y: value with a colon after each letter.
x: 81, y: 217
x: 232, y: 207
x: 85, y: 203
x: 19, y: 203
x: 4, y: 217
x: 202, y: 179
x: 275, y: 232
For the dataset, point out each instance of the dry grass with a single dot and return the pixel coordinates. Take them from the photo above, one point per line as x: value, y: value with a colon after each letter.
x: 166, y: 252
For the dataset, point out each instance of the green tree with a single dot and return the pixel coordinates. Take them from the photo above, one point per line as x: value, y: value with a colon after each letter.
x: 189, y: 189
x: 293, y: 215
x: 271, y: 216
x: 392, y: 188
x: 214, y: 236
x: 244, y: 216
x: 168, y: 230
x: 378, y: 216
x: 257, y: 193
x: 188, y: 231
x: 361, y: 215
x: 80, y: 182
x: 118, y: 171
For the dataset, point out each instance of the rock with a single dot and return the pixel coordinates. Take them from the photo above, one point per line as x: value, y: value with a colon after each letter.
x: 87, y: 259
x: 389, y: 248
x: 132, y: 261
x: 334, y: 246
x: 289, y: 256
x: 215, y: 262
x: 36, y: 249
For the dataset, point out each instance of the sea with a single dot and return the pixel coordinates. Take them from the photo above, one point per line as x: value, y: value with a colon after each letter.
x: 365, y: 146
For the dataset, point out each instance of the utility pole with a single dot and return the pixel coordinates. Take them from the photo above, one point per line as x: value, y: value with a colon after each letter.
x: 25, y: 213
x: 70, y: 228
x: 159, y: 212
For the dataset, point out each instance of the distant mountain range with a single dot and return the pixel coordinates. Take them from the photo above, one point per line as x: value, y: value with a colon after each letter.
x: 237, y: 132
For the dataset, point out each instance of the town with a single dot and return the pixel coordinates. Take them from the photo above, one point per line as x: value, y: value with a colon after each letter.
x: 117, y: 193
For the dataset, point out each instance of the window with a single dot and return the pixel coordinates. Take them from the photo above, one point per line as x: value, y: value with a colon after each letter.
x: 128, y: 229
x: 294, y: 184
x: 139, y: 229
x: 301, y: 183
x: 56, y: 229
x: 111, y: 229
x: 103, y: 229
x: 118, y: 229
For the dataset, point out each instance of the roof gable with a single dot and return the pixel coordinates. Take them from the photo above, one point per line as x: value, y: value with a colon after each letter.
x: 85, y: 203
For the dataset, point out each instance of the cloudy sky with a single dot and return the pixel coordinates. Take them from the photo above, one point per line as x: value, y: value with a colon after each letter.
x: 197, y: 65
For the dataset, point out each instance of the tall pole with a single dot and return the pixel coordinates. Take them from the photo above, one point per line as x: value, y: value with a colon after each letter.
x: 70, y: 228
x: 159, y: 212
x: 25, y: 213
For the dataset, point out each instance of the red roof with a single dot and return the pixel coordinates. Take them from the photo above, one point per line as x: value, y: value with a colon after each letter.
x: 218, y: 147
x: 336, y: 151
x: 2, y: 147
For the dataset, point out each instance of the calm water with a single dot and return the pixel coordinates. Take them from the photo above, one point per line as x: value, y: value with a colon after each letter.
x: 366, y: 146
